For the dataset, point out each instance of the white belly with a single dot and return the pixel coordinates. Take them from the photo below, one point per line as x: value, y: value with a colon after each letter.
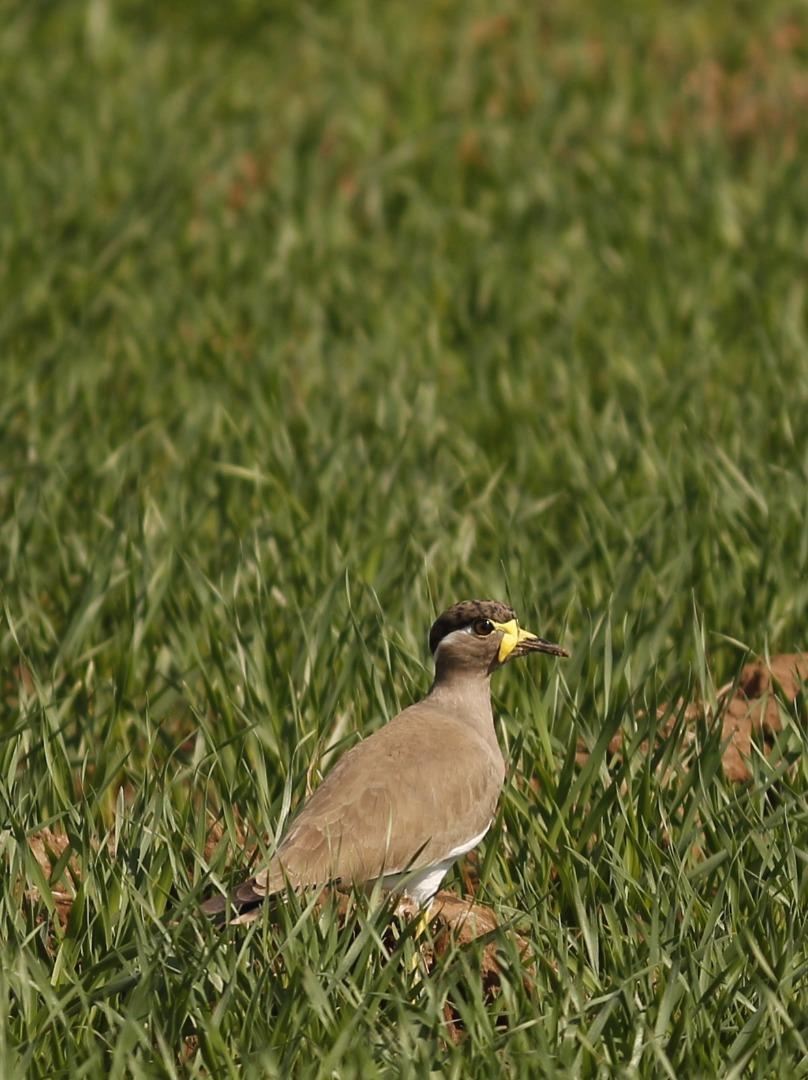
x: 421, y: 885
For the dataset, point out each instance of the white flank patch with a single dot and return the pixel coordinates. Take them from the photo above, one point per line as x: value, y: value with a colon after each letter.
x: 421, y: 885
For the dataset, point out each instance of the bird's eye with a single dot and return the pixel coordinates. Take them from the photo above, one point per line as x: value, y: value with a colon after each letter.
x: 482, y: 627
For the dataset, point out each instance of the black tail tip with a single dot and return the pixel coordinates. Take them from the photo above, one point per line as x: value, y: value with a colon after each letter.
x: 216, y: 905
x: 242, y: 899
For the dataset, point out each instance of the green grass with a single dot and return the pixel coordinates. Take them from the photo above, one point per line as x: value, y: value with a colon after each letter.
x: 314, y: 319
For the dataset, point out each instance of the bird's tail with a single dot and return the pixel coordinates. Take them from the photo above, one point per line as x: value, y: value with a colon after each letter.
x: 245, y: 898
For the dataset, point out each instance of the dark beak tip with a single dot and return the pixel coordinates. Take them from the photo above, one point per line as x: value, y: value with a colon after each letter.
x: 549, y: 648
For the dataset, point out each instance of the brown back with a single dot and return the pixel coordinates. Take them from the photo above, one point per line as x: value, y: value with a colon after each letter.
x: 422, y: 786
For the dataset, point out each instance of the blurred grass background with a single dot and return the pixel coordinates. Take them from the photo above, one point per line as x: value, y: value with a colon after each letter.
x: 314, y: 319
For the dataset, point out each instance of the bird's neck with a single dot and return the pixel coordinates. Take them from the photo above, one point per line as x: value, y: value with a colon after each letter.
x: 468, y: 694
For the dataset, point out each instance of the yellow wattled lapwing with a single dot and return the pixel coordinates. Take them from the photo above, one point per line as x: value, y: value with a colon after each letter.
x: 405, y: 803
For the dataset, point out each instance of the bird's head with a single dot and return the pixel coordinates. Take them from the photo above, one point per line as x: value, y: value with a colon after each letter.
x: 479, y: 636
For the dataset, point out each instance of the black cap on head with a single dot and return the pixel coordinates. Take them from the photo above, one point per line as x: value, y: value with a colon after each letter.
x: 464, y: 613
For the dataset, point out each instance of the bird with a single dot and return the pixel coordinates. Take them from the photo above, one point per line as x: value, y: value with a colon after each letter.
x: 406, y: 802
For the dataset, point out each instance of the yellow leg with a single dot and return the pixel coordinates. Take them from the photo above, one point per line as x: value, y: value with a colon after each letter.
x: 416, y: 964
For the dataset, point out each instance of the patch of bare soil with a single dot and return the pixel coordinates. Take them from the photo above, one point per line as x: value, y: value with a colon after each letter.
x: 749, y: 713
x: 752, y: 710
x: 48, y: 847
